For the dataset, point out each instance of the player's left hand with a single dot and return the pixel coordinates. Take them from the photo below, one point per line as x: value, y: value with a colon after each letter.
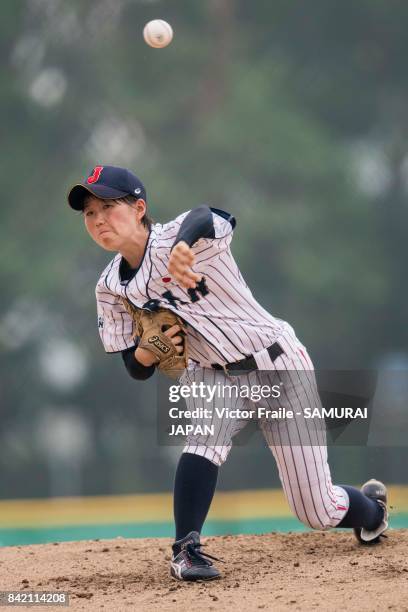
x: 181, y: 259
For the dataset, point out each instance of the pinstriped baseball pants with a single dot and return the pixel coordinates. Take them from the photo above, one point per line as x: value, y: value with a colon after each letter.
x: 298, y: 444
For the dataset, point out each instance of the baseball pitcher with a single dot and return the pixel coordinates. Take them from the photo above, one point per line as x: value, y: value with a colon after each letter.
x: 173, y: 298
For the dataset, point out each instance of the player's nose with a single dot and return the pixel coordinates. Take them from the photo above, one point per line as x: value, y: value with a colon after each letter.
x: 99, y: 218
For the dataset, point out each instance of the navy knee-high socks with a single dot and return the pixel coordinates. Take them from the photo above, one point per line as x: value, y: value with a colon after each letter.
x: 362, y: 512
x: 194, y: 486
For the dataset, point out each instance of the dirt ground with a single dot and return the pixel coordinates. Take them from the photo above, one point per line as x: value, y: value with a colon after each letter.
x: 295, y: 571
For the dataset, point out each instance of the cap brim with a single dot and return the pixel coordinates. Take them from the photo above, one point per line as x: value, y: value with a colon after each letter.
x: 78, y: 193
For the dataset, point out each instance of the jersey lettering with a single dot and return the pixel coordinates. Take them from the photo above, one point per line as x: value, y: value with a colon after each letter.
x: 172, y: 299
x: 200, y: 288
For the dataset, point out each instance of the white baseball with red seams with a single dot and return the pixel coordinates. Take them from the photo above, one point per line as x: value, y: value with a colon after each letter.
x: 225, y: 324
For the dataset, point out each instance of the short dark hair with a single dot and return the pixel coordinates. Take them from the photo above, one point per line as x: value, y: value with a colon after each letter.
x: 131, y: 199
x: 147, y: 221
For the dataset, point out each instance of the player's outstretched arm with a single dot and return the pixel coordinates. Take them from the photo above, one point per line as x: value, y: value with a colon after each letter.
x: 199, y: 223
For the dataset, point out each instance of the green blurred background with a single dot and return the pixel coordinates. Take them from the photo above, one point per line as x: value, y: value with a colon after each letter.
x: 291, y: 116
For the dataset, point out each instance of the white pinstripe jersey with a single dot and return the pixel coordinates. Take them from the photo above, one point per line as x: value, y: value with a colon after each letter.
x: 225, y: 324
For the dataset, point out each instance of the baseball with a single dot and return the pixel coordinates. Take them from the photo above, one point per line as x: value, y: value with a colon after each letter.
x: 158, y: 33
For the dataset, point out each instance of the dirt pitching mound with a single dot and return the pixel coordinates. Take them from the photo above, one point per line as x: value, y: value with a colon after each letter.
x: 301, y: 571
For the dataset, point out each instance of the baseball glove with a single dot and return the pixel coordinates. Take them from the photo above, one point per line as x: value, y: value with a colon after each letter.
x: 149, y: 326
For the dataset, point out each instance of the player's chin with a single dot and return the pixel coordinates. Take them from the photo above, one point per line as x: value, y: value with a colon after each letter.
x: 108, y: 242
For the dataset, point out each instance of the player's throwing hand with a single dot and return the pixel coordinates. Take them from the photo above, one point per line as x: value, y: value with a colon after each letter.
x: 180, y: 262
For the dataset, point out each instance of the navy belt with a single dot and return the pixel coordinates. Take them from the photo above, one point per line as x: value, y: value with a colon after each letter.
x: 248, y: 363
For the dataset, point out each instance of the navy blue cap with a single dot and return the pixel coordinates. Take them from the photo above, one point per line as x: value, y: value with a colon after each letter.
x: 107, y: 183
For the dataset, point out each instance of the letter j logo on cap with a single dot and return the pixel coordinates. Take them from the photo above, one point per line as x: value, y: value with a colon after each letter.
x: 94, y: 178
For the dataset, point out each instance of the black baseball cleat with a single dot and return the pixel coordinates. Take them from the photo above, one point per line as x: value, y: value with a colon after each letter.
x: 189, y: 562
x: 374, y: 489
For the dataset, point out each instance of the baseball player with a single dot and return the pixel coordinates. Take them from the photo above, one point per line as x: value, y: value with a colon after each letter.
x: 186, y: 266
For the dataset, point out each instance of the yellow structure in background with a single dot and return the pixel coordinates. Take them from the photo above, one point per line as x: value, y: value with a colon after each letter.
x: 231, y: 505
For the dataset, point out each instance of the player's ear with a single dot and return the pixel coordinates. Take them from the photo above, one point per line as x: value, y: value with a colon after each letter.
x: 140, y: 206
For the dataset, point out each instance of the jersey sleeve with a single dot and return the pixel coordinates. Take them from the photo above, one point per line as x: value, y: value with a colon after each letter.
x: 115, y: 325
x: 223, y: 229
x: 206, y: 226
x: 136, y: 369
x: 224, y: 223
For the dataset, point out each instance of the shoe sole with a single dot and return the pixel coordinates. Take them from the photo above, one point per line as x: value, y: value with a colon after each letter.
x: 357, y: 532
x: 194, y: 579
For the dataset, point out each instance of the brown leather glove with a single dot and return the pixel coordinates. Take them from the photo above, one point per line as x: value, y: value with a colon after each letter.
x: 150, y: 326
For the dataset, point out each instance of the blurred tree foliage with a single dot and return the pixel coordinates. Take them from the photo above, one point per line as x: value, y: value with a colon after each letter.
x: 291, y: 116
